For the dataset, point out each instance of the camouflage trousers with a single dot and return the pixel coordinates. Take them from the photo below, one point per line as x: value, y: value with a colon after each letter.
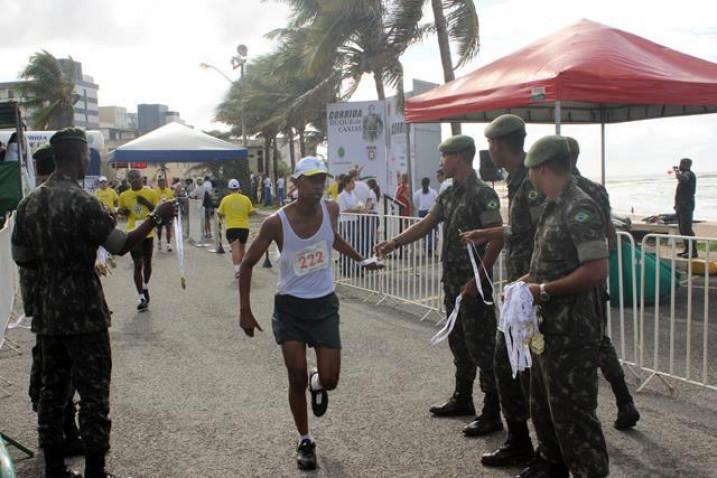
x: 86, y: 361
x: 472, y: 343
x: 563, y: 400
x: 512, y: 391
x: 607, y: 356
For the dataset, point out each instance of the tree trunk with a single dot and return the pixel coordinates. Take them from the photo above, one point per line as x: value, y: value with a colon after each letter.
x: 379, y: 84
x: 445, y: 48
x: 302, y: 141
x: 267, y: 150
x: 290, y: 141
x: 275, y: 159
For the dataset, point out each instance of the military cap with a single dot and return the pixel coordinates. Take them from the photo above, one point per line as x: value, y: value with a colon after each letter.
x: 574, y: 148
x: 456, y: 144
x: 504, y: 125
x: 546, y: 149
x: 68, y: 134
x: 43, y: 152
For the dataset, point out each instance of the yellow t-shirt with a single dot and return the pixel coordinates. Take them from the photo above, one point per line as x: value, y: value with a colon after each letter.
x: 108, y: 197
x: 137, y: 212
x: 333, y: 191
x: 167, y: 193
x: 236, y: 208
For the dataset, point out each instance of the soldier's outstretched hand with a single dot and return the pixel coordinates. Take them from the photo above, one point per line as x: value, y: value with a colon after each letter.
x: 382, y: 249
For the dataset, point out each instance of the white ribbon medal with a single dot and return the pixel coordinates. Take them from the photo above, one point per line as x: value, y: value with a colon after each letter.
x: 443, y: 334
x: 179, y: 242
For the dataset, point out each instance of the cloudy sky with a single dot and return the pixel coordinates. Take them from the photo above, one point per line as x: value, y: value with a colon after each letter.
x: 150, y: 51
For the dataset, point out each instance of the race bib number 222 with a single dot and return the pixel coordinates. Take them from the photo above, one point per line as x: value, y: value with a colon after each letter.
x: 310, y: 259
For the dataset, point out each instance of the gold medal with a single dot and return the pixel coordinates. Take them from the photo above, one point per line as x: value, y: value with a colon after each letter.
x: 537, y: 343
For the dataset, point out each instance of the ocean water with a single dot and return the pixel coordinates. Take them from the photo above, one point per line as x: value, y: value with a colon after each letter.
x: 648, y: 195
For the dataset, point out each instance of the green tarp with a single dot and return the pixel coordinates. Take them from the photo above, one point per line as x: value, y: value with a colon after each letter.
x: 651, y: 264
x: 10, y: 192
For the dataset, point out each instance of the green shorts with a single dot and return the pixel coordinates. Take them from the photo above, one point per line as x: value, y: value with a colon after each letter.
x: 314, y: 322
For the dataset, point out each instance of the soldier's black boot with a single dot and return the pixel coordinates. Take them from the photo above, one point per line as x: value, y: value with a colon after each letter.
x: 489, y: 420
x: 517, y: 449
x: 627, y: 414
x: 55, y: 464
x: 95, y: 466
x: 72, y: 444
x: 461, y: 403
x: 542, y: 468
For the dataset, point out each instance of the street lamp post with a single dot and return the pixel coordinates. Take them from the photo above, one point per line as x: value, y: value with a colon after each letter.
x: 238, y: 61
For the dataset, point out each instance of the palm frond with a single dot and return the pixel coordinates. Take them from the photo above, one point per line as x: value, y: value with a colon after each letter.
x: 463, y: 28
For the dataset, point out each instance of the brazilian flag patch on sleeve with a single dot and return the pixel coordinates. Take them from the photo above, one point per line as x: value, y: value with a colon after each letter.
x: 581, y: 216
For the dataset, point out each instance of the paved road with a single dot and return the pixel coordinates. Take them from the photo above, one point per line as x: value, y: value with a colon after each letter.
x: 194, y: 397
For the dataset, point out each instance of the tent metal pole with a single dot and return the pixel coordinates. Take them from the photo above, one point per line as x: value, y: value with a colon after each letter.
x: 602, y: 150
x: 557, y: 117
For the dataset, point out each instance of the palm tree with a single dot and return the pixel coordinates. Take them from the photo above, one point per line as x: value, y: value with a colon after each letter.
x: 49, y: 91
x: 355, y: 37
x: 454, y: 20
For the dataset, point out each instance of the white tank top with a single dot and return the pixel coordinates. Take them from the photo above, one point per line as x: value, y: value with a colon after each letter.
x: 305, y: 265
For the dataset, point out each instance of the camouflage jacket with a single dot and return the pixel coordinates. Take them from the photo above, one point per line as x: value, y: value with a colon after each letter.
x: 462, y: 207
x: 571, y: 231
x: 525, y: 207
x: 57, y: 232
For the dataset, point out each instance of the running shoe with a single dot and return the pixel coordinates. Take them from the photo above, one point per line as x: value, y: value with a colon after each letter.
x: 145, y: 292
x: 319, y: 398
x: 143, y: 304
x: 159, y: 246
x: 306, y: 455
x: 169, y: 247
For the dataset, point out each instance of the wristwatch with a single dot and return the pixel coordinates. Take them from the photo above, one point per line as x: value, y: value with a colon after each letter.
x: 544, y: 296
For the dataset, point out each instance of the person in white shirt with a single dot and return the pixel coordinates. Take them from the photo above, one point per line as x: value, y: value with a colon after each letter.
x: 443, y: 181
x: 280, y: 190
x: 349, y: 206
x: 423, y: 200
x: 267, y: 191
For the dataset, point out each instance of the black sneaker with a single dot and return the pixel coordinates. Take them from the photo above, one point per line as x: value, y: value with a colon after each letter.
x: 306, y: 455
x: 319, y: 398
x: 145, y: 292
x: 142, y: 306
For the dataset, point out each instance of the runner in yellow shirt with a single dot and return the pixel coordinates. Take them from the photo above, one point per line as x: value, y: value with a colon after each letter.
x: 107, y: 196
x: 164, y: 193
x: 235, y: 209
x: 136, y: 203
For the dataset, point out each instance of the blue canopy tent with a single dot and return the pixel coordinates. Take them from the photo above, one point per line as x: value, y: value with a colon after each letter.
x: 176, y: 143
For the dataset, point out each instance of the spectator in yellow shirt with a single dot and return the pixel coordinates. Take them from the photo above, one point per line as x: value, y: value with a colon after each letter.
x: 164, y: 193
x: 235, y: 209
x: 333, y: 189
x: 136, y: 203
x: 107, y: 196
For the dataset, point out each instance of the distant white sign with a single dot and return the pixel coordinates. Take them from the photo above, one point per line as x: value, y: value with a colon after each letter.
x: 397, y: 160
x: 357, y: 136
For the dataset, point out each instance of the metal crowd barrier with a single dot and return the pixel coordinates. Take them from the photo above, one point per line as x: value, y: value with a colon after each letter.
x: 676, y: 334
x: 413, y: 272
x: 9, y: 287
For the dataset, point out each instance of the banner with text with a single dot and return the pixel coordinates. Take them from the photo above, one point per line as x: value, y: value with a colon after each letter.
x: 357, y: 136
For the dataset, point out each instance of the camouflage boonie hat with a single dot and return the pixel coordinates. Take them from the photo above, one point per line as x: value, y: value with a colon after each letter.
x: 504, y: 125
x: 546, y: 149
x: 68, y: 134
x: 456, y: 144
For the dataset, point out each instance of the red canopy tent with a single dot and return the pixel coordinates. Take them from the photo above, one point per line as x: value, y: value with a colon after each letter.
x: 585, y: 73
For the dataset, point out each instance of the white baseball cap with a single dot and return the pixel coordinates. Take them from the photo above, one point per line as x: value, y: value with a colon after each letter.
x: 103, y: 178
x: 309, y: 166
x: 234, y: 184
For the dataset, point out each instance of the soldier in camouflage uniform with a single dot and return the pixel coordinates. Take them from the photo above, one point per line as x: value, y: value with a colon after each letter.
x: 72, y: 444
x: 57, y: 232
x: 569, y: 262
x: 627, y: 414
x: 468, y: 204
x: 506, y: 135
